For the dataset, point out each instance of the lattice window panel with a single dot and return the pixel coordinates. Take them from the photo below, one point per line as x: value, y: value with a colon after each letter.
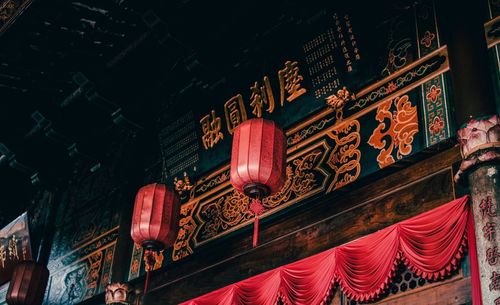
x: 404, y: 281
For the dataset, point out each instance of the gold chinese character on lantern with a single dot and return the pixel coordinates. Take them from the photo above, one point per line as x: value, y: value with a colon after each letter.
x: 13, y: 252
x: 235, y: 112
x: 261, y: 95
x: 210, y: 126
x: 290, y: 79
x: 3, y: 256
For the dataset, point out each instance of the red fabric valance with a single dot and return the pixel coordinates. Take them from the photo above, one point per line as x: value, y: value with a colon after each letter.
x: 430, y: 244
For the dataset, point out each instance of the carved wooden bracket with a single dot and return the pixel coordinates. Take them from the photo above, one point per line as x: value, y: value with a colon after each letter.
x: 338, y: 101
x: 119, y: 293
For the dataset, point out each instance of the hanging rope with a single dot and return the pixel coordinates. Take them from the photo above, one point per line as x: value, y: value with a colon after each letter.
x: 163, y: 178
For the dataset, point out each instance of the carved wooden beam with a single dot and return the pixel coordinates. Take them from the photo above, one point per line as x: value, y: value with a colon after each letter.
x: 333, y: 221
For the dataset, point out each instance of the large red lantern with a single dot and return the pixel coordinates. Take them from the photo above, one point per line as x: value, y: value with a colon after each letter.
x: 28, y: 283
x: 155, y: 222
x: 258, y: 163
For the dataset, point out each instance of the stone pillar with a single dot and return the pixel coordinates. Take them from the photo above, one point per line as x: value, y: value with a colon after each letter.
x: 461, y: 24
x: 480, y: 148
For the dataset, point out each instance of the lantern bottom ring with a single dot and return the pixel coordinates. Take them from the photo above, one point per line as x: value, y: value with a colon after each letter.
x: 256, y: 190
x: 153, y: 245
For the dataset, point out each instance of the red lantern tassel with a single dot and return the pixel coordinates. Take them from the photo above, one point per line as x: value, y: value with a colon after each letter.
x: 146, y: 283
x: 149, y: 263
x: 255, y: 231
x: 257, y: 209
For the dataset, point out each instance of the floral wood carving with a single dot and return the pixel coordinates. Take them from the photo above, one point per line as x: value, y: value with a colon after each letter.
x: 479, y: 142
x: 437, y: 125
x: 395, y: 131
x: 427, y: 39
x: 230, y: 211
x: 299, y: 179
x: 187, y: 227
x: 434, y: 93
x: 203, y: 186
x: 227, y: 211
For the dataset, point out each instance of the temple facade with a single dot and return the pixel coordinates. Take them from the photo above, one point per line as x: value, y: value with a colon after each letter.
x: 249, y: 153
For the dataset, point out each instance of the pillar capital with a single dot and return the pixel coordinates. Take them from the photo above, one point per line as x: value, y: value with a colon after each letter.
x: 479, y: 141
x: 119, y: 293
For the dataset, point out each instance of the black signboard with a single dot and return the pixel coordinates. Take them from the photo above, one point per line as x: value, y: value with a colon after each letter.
x: 295, y: 69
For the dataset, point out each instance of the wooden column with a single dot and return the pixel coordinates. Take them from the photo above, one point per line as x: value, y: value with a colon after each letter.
x: 462, y: 26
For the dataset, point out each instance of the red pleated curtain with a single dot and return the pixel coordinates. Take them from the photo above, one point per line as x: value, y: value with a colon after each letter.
x: 430, y: 244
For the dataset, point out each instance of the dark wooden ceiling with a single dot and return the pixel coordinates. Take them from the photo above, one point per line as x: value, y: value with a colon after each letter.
x: 74, y: 74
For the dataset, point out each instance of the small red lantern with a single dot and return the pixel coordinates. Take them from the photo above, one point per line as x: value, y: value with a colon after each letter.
x: 258, y: 163
x: 28, y: 283
x: 155, y: 222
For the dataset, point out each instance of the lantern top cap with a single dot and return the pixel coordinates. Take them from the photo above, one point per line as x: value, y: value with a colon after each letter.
x: 156, y: 185
x: 265, y: 121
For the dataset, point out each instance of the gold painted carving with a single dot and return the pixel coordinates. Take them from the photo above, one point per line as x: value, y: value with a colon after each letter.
x: 7, y: 10
x: 491, y: 32
x: 299, y: 179
x: 300, y: 137
x: 183, y: 185
x: 396, y: 130
x: 95, y: 262
x: 229, y: 211
x: 345, y: 156
x: 427, y: 39
x: 187, y: 227
x: 338, y: 101
x: 225, y: 212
